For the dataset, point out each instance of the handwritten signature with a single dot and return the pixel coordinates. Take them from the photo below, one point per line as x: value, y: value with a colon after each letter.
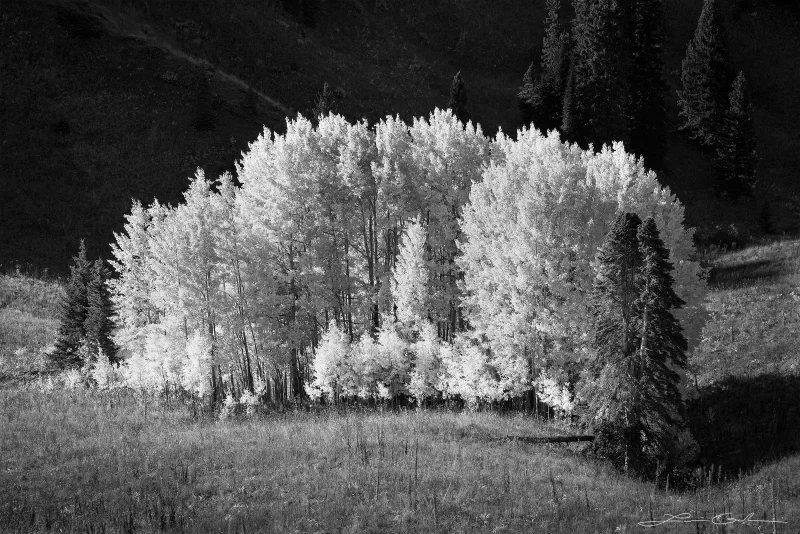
x: 719, y: 519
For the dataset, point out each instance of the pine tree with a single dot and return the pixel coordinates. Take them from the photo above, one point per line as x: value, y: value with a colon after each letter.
x: 615, y: 290
x: 74, y: 310
x: 324, y: 104
x: 541, y: 100
x: 662, y: 350
x: 98, y: 325
x: 571, y: 124
x: 706, y: 77
x: 525, y: 97
x: 736, y: 152
x: 601, y: 69
x: 458, y: 99
x: 640, y: 347
x: 648, y: 113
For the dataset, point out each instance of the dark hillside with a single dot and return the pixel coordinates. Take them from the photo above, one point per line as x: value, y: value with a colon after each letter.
x: 105, y: 101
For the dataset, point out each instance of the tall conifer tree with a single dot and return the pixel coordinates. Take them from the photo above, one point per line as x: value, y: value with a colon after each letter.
x: 458, y: 99
x: 74, y: 310
x: 640, y: 348
x: 98, y: 324
x: 541, y: 100
x: 85, y: 315
x: 525, y: 96
x: 648, y: 113
x: 601, y: 31
x: 706, y: 78
x: 662, y: 349
x: 736, y: 153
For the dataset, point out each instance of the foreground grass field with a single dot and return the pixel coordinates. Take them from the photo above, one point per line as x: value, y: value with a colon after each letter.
x: 84, y: 461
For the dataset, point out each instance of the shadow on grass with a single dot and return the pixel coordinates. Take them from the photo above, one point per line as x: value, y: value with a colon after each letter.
x: 740, y: 423
x: 744, y: 274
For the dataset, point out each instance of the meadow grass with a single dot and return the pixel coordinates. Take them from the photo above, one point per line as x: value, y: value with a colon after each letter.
x: 29, y: 308
x: 118, y: 461
x: 754, y: 314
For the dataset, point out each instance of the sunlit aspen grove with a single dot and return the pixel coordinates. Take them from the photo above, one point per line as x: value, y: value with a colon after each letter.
x: 418, y: 262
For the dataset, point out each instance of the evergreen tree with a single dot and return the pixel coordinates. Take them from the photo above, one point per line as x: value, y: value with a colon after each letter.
x: 736, y: 152
x: 526, y: 95
x: 615, y: 291
x: 662, y: 350
x: 324, y: 104
x: 541, y: 100
x: 571, y: 125
x: 74, y: 310
x: 648, y: 113
x: 85, y: 315
x: 640, y: 347
x: 601, y: 32
x: 458, y: 99
x: 98, y: 325
x: 706, y: 78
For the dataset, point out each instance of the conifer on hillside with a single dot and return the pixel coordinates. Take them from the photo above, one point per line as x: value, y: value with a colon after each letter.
x: 74, y: 309
x: 662, y: 347
x: 98, y: 324
x: 458, y: 99
x: 648, y: 114
x: 706, y: 77
x: 635, y: 400
x: 324, y: 104
x: 525, y: 96
x: 85, y: 321
x: 541, y: 100
x: 736, y: 151
x: 601, y: 71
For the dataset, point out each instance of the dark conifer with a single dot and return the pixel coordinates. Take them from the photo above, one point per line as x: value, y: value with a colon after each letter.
x: 541, y: 100
x: 601, y: 69
x: 458, y: 99
x: 98, y: 325
x: 635, y: 401
x: 706, y: 78
x: 570, y: 122
x: 648, y: 113
x: 736, y: 151
x: 661, y: 354
x: 324, y: 104
x: 615, y: 290
x: 74, y: 309
x: 525, y: 97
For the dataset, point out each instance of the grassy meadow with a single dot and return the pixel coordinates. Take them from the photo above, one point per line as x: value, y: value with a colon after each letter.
x: 84, y: 461
x: 78, y: 460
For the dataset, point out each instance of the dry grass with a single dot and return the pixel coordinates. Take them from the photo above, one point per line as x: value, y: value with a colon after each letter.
x: 28, y: 324
x: 754, y: 311
x: 115, y: 461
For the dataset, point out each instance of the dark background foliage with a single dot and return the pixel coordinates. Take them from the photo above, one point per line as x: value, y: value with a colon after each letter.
x: 99, y: 103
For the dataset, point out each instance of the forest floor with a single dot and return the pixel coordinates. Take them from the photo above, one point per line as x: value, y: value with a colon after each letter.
x: 76, y: 460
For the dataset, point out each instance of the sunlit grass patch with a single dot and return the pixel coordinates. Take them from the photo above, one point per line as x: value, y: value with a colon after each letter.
x: 77, y: 460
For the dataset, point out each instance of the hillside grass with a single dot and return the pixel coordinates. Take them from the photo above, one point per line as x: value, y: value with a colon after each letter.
x: 29, y: 309
x: 117, y: 461
x: 754, y: 307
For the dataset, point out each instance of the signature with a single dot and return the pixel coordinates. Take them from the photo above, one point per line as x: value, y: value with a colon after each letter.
x: 719, y: 519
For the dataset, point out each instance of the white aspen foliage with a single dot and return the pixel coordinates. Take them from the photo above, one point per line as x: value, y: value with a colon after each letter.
x: 288, y: 283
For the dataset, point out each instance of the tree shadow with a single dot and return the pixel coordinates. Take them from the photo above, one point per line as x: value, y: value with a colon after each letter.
x: 740, y: 423
x: 744, y: 274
